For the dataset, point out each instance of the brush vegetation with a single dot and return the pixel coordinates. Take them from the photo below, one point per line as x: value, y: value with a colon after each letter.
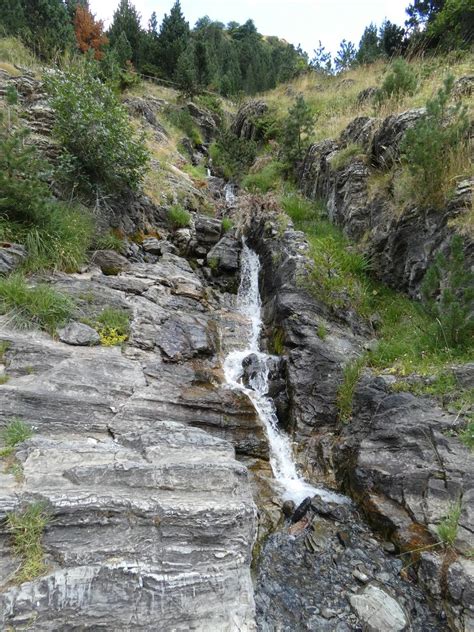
x: 26, y: 528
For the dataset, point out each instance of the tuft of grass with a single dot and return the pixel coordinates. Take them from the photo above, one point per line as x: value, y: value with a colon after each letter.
x: 4, y: 379
x: 110, y: 241
x: 38, y: 306
x: 345, y: 394
x: 227, y: 224
x: 322, y: 331
x: 4, y: 346
x: 467, y: 435
x: 13, y: 51
x: 278, y: 341
x: 448, y: 527
x: 113, y: 326
x: 26, y: 528
x: 344, y: 156
x: 269, y: 178
x: 14, y: 433
x: 179, y: 216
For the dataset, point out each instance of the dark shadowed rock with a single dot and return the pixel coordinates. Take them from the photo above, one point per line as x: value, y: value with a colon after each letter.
x: 225, y: 255
x: 301, y: 510
x: 360, y: 131
x: 386, y: 141
x: 366, y: 95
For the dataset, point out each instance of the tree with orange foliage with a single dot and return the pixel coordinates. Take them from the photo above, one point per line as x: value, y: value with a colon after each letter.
x: 89, y: 32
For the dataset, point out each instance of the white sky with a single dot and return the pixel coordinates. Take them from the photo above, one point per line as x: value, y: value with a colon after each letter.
x: 298, y: 21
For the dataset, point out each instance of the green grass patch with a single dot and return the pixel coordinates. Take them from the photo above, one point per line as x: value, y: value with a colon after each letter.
x: 448, y: 527
x: 467, y: 435
x: 112, y: 325
x: 179, y: 216
x: 345, y: 394
x: 110, y: 241
x: 227, y: 224
x: 38, y: 306
x: 14, y: 433
x: 268, y: 178
x: 182, y: 120
x: 343, y: 157
x: 26, y: 528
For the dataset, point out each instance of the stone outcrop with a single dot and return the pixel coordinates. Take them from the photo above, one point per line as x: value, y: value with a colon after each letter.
x: 11, y: 257
x: 400, y: 243
x: 244, y: 125
x: 133, y: 458
x: 399, y: 457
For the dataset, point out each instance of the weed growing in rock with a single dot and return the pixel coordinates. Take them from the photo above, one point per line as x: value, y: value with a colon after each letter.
x: 448, y: 527
x: 15, y: 432
x: 179, y: 216
x: 110, y: 241
x: 467, y: 435
x: 227, y: 224
x: 113, y: 326
x: 345, y: 394
x: 26, y: 528
x: 33, y: 306
x: 344, y: 156
x: 322, y: 331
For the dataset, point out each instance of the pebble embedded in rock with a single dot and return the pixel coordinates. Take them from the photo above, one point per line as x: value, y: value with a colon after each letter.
x: 79, y: 335
x: 378, y: 610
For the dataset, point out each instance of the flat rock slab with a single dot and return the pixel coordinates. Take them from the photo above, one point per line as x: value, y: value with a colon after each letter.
x: 79, y: 334
x: 378, y: 610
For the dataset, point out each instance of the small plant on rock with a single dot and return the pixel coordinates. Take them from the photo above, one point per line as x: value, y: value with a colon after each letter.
x: 14, y: 433
x: 113, y: 326
x: 26, y: 528
x: 345, y: 395
x: 448, y: 527
x: 179, y: 216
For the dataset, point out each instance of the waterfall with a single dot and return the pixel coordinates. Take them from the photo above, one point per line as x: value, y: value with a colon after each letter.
x: 293, y: 487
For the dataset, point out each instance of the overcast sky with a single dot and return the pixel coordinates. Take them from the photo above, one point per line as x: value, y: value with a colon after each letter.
x: 298, y: 21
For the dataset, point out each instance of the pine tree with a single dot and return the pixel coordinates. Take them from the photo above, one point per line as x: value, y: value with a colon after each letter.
x: 127, y: 20
x: 172, y: 40
x: 297, y: 130
x: 420, y: 12
x: 49, y: 27
x: 321, y: 61
x: 391, y: 38
x: 345, y: 57
x: 12, y: 17
x: 186, y: 71
x: 369, y: 46
x: 123, y: 51
x: 89, y: 33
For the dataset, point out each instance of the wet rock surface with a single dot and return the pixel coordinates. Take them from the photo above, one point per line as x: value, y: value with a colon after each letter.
x: 328, y: 572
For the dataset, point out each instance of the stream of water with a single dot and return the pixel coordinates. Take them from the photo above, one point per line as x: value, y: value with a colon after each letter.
x: 293, y: 487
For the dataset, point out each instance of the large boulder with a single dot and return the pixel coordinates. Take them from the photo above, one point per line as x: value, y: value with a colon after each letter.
x: 11, y: 257
x: 109, y: 261
x: 78, y: 334
x: 244, y: 125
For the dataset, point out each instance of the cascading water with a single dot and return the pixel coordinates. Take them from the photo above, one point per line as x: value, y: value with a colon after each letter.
x: 281, y: 458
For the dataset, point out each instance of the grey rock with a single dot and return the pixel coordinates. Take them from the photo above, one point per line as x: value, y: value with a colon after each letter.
x: 224, y: 257
x: 208, y: 231
x: 360, y: 131
x: 378, y: 610
x: 79, y: 334
x: 366, y: 95
x: 11, y: 257
x: 109, y: 261
x: 244, y: 125
x: 386, y: 141
x: 206, y: 120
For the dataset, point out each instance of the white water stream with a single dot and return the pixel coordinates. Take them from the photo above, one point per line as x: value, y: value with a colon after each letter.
x: 293, y: 487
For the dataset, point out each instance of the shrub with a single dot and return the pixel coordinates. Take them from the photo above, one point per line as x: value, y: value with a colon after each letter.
x: 296, y: 133
x: 427, y: 148
x: 95, y: 131
x: 448, y: 294
x: 266, y: 179
x: 344, y: 156
x: 401, y: 80
x: 448, y: 527
x: 39, y: 306
x: 26, y: 528
x: 232, y: 156
x: 182, y: 119
x: 14, y: 433
x: 179, y: 216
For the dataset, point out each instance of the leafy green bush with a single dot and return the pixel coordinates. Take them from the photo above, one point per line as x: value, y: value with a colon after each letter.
x: 40, y: 306
x: 429, y: 147
x: 269, y: 178
x: 95, y: 131
x: 232, y: 156
x: 179, y: 216
x: 448, y: 294
x: 401, y: 80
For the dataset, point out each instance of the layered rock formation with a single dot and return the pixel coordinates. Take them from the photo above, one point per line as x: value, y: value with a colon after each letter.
x: 151, y: 519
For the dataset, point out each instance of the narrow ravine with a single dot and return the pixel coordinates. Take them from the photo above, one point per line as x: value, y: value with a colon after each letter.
x: 291, y: 485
